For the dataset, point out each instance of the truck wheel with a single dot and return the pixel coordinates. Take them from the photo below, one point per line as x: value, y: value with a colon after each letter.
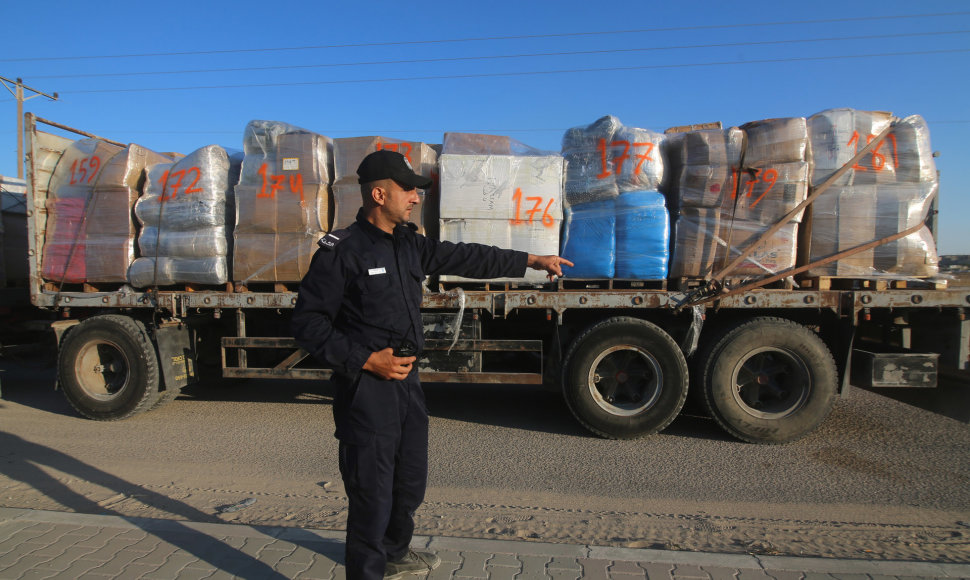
x: 769, y: 380
x: 108, y: 368
x: 625, y: 378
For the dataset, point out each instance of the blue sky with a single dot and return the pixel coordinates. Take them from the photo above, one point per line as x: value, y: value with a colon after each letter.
x: 529, y: 70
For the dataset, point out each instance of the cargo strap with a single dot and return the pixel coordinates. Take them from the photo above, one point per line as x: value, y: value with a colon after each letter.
x: 814, y: 192
x: 715, y: 290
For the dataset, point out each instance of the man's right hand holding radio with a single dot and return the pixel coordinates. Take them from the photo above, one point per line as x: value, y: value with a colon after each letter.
x: 385, y: 365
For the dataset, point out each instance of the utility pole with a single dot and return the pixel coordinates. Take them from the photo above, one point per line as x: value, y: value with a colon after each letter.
x: 18, y: 93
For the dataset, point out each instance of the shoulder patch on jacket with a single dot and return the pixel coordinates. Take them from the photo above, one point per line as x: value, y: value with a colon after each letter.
x: 330, y: 241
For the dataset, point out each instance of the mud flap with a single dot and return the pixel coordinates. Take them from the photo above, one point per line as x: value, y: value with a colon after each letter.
x: 176, y: 357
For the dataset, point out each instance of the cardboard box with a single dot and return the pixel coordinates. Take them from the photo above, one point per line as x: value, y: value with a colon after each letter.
x: 769, y: 257
x: 473, y: 144
x: 768, y: 193
x: 776, y: 141
x: 308, y: 155
x: 347, y: 202
x: 843, y: 218
x: 350, y: 151
x: 520, y: 189
x: 273, y: 257
x: 695, y: 234
x: 534, y: 238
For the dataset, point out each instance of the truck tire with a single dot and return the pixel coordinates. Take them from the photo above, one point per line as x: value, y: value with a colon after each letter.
x: 625, y: 378
x: 769, y: 380
x: 108, y: 368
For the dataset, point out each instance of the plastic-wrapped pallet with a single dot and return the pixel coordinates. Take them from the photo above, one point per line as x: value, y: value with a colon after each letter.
x: 707, y: 163
x: 606, y: 158
x: 349, y: 152
x: 773, y: 181
x: 69, y: 203
x: 589, y: 239
x: 183, y: 216
x: 283, y: 202
x: 502, y: 200
x: 642, y: 236
x: 111, y: 229
x: 888, y: 191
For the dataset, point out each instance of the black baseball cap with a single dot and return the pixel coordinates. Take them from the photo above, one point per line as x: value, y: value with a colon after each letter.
x: 386, y: 164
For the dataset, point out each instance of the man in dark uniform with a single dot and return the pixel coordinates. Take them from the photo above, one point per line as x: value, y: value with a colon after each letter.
x: 359, y: 311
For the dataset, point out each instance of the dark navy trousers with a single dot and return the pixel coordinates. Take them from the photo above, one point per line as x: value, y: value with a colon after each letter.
x: 383, y: 431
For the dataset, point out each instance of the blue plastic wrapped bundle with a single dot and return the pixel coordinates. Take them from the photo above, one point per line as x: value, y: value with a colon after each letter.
x: 642, y: 236
x: 589, y: 239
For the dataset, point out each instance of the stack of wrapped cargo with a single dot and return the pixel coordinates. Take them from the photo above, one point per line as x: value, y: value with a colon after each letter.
x: 773, y: 181
x: 617, y: 223
x: 182, y: 211
x: 491, y: 195
x: 707, y: 163
x: 71, y: 208
x: 283, y: 202
x: 349, y: 152
x: 112, y: 232
x: 888, y: 191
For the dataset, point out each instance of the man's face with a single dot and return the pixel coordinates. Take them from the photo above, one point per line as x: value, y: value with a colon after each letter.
x: 399, y: 201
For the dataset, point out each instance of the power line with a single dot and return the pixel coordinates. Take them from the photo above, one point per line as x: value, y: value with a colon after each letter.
x: 511, y: 56
x: 495, y: 38
x: 525, y: 73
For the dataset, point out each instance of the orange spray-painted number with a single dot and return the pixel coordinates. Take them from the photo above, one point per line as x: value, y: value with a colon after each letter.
x: 768, y: 176
x: 83, y: 170
x: 402, y: 148
x: 547, y: 219
x: 276, y: 183
x: 878, y: 160
x: 172, y: 183
x: 619, y: 159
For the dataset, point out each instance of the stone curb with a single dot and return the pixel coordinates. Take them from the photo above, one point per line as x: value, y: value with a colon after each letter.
x: 300, y: 535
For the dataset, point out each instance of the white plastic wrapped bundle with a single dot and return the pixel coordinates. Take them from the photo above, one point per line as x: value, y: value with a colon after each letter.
x: 888, y: 191
x: 187, y: 244
x: 912, y: 152
x: 182, y: 212
x: 165, y: 271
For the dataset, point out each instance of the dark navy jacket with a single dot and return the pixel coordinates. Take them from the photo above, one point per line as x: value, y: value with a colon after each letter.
x: 362, y: 292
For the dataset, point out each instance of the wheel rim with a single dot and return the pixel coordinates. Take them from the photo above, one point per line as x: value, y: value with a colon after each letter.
x: 102, y: 369
x: 770, y: 383
x: 625, y: 380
